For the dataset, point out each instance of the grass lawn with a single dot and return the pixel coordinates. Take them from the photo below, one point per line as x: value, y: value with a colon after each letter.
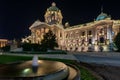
x: 85, y: 74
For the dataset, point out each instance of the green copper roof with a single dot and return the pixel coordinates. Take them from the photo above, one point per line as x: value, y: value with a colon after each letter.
x: 53, y: 7
x: 102, y: 16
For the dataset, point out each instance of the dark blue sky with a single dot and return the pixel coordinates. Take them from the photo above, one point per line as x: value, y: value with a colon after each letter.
x: 16, y: 16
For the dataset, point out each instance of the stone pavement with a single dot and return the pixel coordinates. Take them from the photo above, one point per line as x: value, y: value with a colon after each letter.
x: 99, y: 54
x: 105, y: 58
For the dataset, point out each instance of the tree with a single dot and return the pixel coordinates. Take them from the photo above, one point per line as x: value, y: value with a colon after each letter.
x: 49, y: 41
x: 30, y: 47
x: 117, y: 41
x: 6, y: 48
x: 26, y: 46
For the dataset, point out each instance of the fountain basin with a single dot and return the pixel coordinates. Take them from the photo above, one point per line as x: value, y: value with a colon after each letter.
x: 46, y: 70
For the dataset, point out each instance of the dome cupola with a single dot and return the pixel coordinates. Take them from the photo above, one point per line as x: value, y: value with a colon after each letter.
x: 53, y: 15
x: 102, y: 16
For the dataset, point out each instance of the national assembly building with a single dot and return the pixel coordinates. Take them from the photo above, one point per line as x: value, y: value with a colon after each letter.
x: 93, y: 36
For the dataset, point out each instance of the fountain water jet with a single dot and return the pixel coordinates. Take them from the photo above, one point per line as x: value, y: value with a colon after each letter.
x: 35, y: 60
x: 35, y: 64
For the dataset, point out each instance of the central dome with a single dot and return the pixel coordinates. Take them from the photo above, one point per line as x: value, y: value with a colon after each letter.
x: 53, y: 15
x: 53, y: 7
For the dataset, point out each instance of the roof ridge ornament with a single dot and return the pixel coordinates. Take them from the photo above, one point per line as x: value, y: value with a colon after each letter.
x: 102, y: 9
x: 53, y: 4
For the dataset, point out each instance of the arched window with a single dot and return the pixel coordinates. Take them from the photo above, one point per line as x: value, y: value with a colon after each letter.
x: 83, y: 33
x: 60, y: 34
x: 101, y: 40
x: 90, y: 41
x: 90, y: 33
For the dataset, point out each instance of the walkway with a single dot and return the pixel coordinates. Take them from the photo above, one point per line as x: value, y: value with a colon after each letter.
x: 106, y: 58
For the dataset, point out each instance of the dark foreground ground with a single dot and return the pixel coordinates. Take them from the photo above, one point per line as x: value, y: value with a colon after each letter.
x: 106, y: 72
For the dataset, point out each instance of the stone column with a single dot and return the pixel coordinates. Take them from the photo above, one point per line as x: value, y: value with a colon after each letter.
x: 110, y: 38
x: 86, y: 35
x: 44, y: 30
x: 41, y: 30
x: 35, y: 36
x: 93, y: 36
x: 105, y: 34
x: 110, y: 33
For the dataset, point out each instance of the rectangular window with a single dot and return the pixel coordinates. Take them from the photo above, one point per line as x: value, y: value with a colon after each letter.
x: 83, y: 33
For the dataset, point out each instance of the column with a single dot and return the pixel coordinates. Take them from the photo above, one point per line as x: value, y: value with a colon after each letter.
x: 110, y: 38
x: 41, y: 30
x: 95, y: 34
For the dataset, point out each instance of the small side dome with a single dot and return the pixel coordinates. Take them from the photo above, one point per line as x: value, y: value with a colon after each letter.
x: 102, y: 16
x: 53, y: 7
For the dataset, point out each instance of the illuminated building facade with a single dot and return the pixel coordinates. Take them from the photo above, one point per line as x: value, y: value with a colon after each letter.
x: 3, y: 42
x: 93, y: 36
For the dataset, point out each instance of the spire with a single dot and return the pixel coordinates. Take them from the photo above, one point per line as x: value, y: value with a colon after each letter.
x: 101, y: 9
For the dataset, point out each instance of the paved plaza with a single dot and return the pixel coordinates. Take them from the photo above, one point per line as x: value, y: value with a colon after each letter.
x: 106, y: 58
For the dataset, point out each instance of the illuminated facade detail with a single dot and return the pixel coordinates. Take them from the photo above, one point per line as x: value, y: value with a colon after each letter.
x: 3, y: 42
x: 92, y: 36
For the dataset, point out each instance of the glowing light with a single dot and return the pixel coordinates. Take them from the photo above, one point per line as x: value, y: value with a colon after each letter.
x: 105, y: 48
x: 107, y: 41
x: 95, y: 42
x: 27, y: 70
x: 96, y: 48
x: 1, y: 53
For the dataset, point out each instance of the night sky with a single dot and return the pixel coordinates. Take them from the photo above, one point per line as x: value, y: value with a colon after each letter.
x: 16, y: 16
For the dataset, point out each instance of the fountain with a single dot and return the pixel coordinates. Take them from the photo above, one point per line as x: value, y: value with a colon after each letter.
x: 36, y: 70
